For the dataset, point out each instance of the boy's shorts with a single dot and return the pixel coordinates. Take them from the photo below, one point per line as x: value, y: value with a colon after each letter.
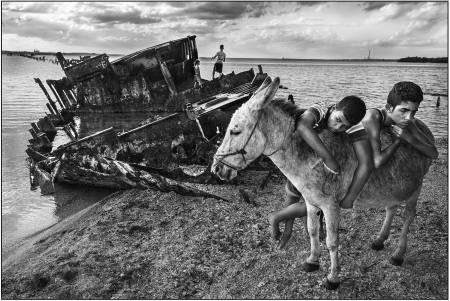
x: 218, y: 67
x: 291, y: 190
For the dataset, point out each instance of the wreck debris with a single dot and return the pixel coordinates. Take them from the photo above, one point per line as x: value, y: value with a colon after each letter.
x: 188, y: 124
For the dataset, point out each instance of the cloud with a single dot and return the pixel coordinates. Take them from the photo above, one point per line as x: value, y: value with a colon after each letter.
x: 223, y: 10
x: 33, y: 7
x: 33, y: 27
x: 370, y: 6
x: 118, y: 17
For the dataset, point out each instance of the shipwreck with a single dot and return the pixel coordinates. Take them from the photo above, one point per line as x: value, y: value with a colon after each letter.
x: 183, y: 127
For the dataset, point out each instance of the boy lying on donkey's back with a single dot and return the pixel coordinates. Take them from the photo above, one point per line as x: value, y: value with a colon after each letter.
x: 343, y: 117
x: 402, y: 104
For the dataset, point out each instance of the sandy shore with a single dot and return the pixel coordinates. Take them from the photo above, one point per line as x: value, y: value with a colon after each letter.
x: 146, y: 244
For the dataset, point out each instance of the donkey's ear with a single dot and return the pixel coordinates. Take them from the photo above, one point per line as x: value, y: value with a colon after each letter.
x: 265, y: 93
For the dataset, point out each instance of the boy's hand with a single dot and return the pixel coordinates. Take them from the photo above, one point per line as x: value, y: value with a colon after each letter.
x: 402, y: 133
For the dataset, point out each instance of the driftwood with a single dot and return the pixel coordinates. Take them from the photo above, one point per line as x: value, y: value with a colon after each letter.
x: 114, y: 174
x: 178, y: 174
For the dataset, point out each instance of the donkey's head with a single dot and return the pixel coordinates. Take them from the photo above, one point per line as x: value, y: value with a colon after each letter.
x: 244, y: 141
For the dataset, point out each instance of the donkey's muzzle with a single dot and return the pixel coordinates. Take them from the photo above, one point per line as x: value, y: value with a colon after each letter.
x: 222, y: 171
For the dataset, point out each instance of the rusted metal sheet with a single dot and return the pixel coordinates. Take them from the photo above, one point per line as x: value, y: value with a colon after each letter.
x: 87, y: 68
x: 157, y: 79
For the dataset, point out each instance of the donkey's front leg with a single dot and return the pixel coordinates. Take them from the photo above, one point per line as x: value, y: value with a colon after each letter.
x: 378, y: 244
x: 331, y: 214
x: 411, y: 203
x: 312, y: 263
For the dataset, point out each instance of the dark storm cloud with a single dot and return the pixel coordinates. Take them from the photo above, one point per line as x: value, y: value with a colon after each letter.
x: 311, y: 3
x: 223, y: 10
x: 370, y: 6
x: 117, y: 17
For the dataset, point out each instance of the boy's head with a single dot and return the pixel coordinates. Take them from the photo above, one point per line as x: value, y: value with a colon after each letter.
x: 403, y: 101
x: 349, y: 111
x: 221, y: 47
x: 197, y: 62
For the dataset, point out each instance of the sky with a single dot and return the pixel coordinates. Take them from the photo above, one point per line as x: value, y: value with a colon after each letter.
x: 306, y: 30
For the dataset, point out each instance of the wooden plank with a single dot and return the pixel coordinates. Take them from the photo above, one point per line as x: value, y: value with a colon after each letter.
x: 35, y: 127
x: 50, y: 84
x: 62, y: 61
x: 51, y: 102
x: 62, y: 96
x: 50, y: 109
x: 168, y: 77
x: 33, y: 133
x: 62, y: 147
x: 147, y: 125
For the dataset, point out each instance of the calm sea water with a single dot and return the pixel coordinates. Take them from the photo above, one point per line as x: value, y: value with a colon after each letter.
x: 26, y: 211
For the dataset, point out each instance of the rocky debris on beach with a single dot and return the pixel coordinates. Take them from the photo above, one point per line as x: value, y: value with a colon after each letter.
x: 149, y: 244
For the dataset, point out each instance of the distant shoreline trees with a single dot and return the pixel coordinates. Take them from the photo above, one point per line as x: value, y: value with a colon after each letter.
x: 416, y: 59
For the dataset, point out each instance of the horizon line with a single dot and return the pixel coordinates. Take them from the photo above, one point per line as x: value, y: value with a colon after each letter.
x: 238, y: 58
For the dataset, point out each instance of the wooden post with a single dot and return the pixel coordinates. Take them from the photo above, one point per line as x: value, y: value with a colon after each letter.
x: 166, y: 73
x: 50, y: 84
x: 72, y: 126
x: 46, y: 125
x: 69, y: 133
x: 71, y: 96
x: 62, y: 96
x: 50, y: 108
x: 35, y: 127
x: 33, y: 133
x: 52, y: 103
x: 260, y: 69
x: 62, y: 61
x: 195, y: 48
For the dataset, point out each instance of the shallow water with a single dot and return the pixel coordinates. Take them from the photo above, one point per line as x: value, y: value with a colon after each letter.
x: 26, y: 211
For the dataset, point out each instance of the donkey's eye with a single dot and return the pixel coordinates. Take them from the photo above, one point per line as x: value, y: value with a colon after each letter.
x: 234, y: 132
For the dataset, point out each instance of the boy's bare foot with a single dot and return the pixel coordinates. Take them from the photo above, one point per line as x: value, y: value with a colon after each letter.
x: 275, y: 230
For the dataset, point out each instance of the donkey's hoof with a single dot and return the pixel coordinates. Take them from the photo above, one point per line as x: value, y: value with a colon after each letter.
x: 377, y: 246
x: 310, y: 267
x: 396, y: 261
x: 331, y: 285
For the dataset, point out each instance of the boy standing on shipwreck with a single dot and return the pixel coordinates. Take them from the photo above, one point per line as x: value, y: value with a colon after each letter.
x: 218, y: 66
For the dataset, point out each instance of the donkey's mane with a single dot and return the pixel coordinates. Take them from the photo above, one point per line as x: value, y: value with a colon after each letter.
x: 289, y: 108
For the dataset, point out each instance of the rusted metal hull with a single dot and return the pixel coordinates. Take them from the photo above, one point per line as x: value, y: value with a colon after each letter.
x: 157, y: 79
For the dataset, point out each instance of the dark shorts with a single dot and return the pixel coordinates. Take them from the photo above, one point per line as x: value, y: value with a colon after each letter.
x: 218, y: 67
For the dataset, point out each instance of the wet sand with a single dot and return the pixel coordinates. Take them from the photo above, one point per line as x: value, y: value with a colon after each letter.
x: 147, y: 244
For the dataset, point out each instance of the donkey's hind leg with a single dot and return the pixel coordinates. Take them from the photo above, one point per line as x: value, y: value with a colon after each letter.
x: 312, y: 262
x: 378, y: 244
x: 411, y: 203
x: 331, y: 215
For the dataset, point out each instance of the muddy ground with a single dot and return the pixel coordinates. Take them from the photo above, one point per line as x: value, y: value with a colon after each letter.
x: 147, y: 244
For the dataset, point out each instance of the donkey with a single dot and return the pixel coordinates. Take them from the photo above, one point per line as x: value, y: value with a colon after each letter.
x: 266, y: 126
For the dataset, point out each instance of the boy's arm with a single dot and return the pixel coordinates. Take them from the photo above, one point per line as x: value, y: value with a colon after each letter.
x: 305, y: 128
x: 224, y: 56
x: 214, y: 56
x: 362, y: 172
x: 414, y: 136
x: 380, y: 157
